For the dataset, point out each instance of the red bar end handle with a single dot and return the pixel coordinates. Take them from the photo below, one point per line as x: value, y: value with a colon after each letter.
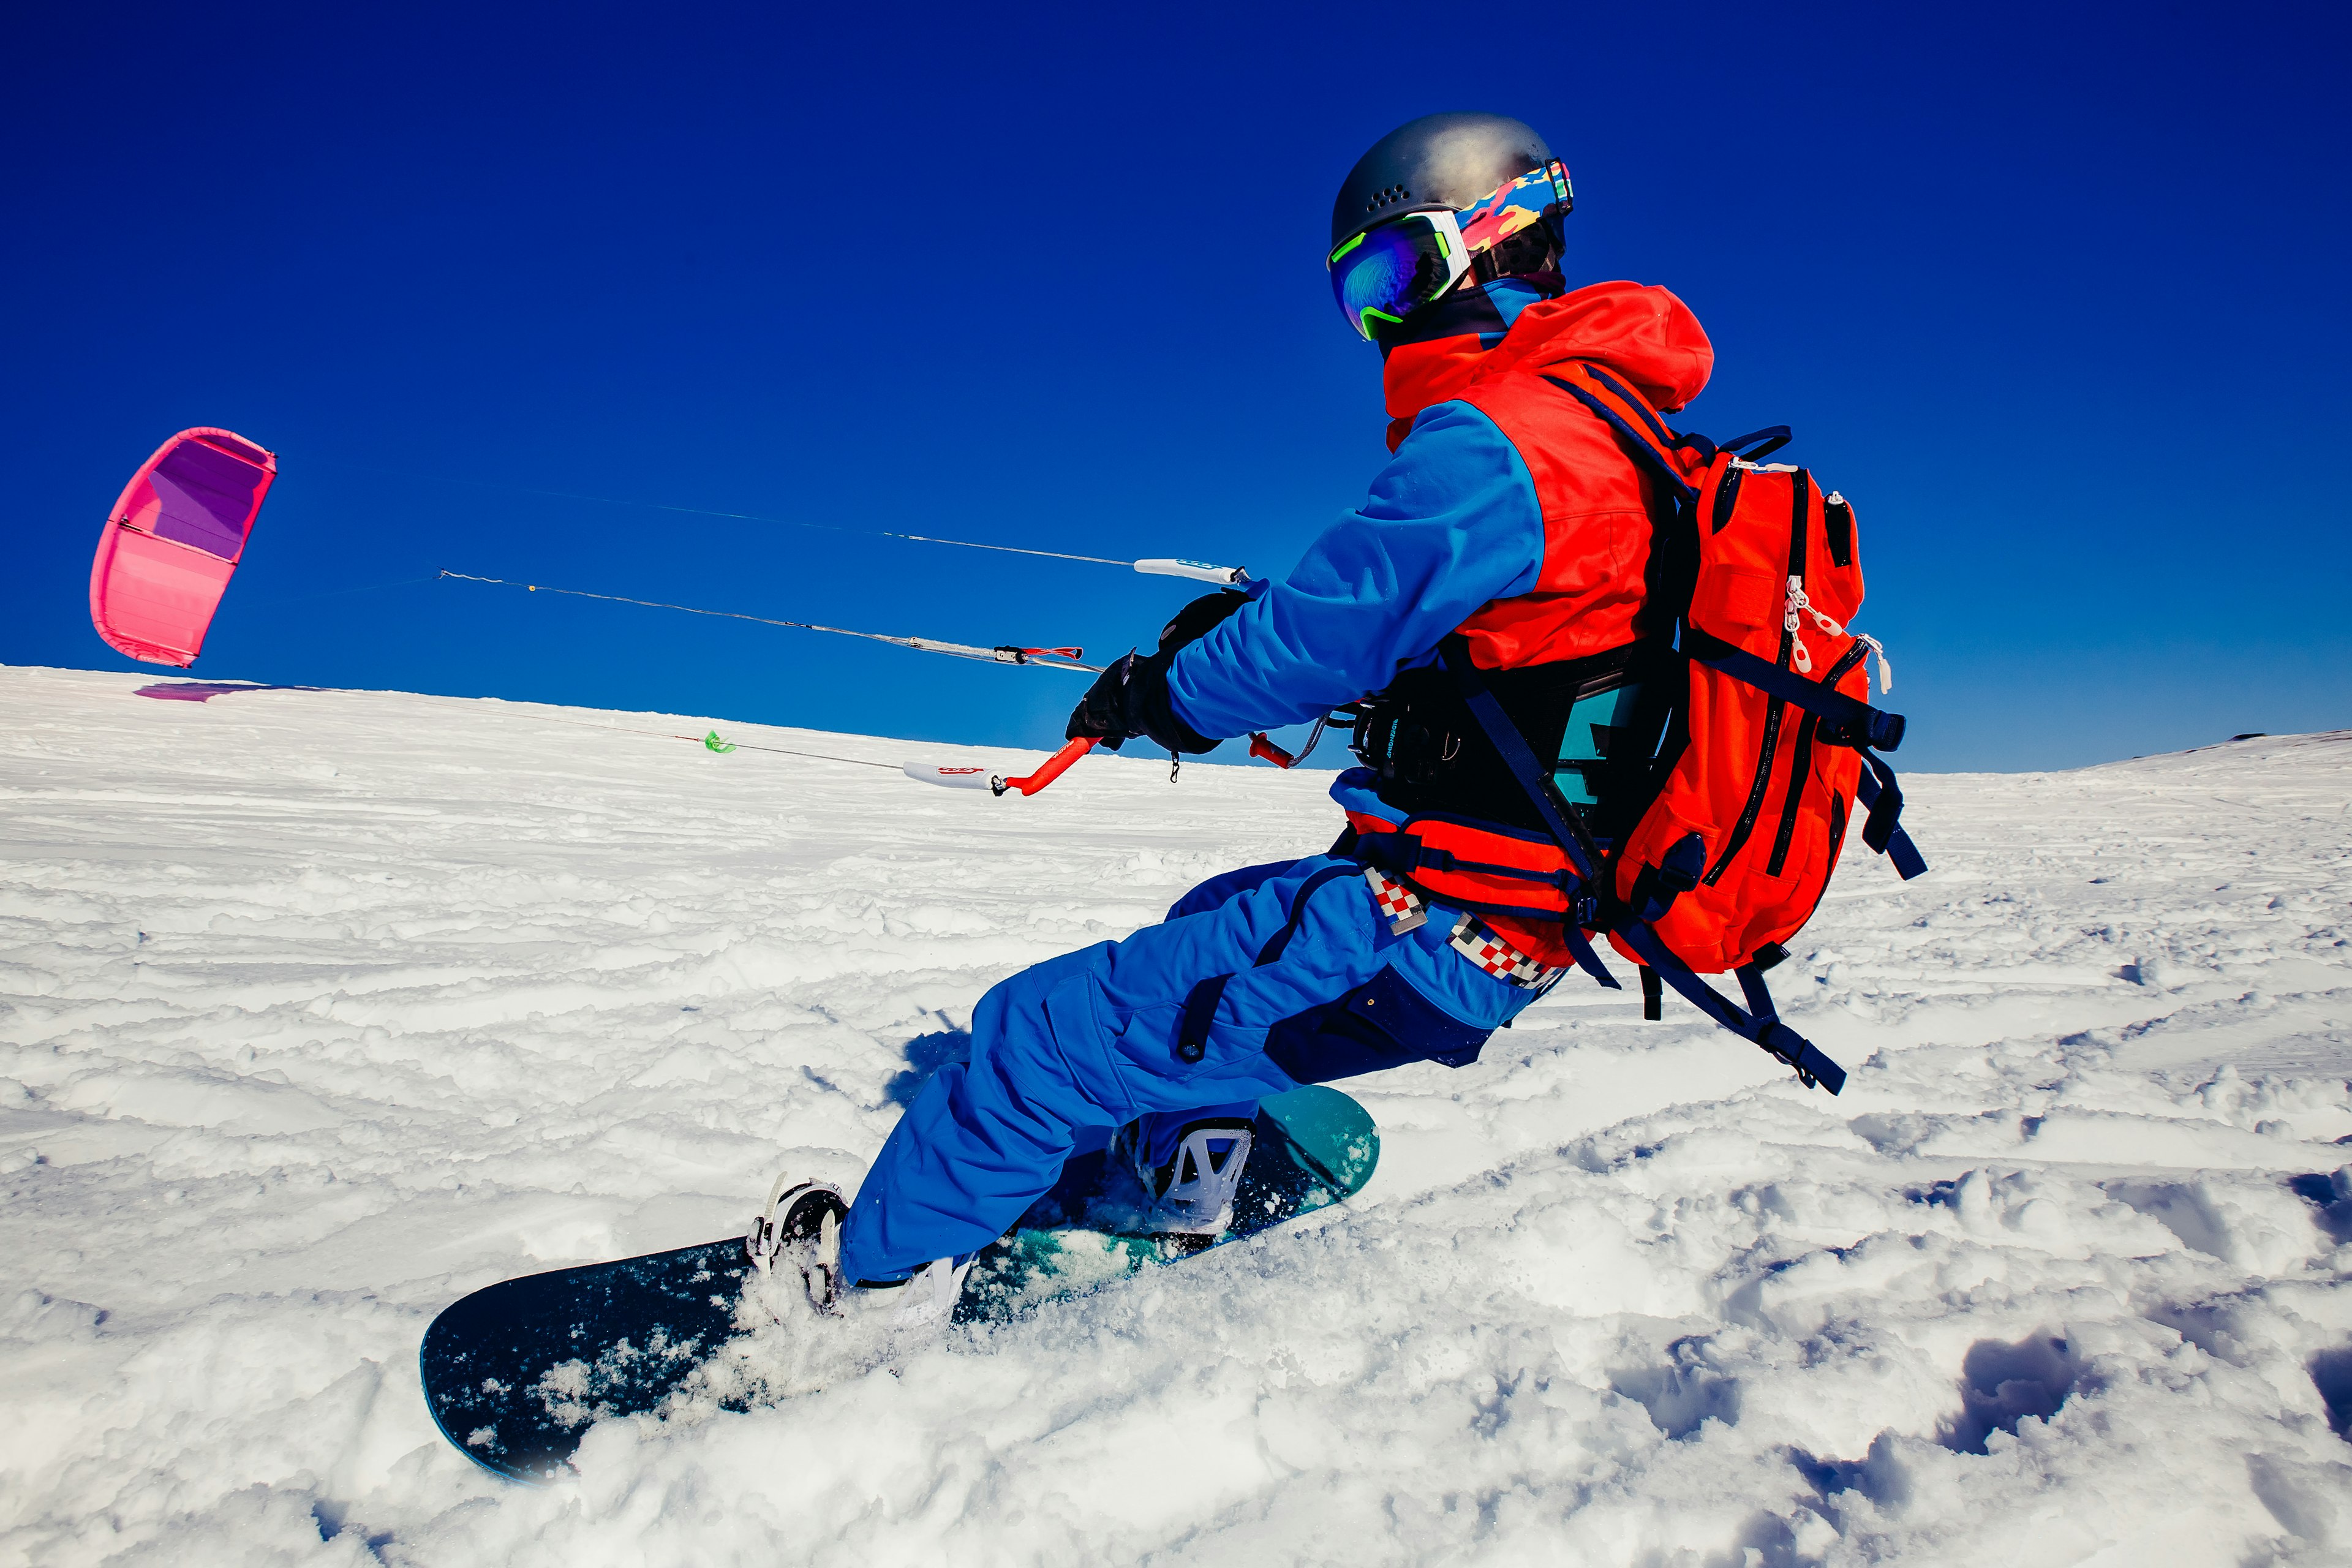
x: 1262, y: 747
x: 1053, y: 767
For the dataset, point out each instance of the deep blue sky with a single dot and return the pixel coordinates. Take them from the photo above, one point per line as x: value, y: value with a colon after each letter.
x: 2056, y: 294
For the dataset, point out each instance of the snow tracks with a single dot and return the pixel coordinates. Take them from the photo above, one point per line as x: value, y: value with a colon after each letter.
x: 317, y: 1009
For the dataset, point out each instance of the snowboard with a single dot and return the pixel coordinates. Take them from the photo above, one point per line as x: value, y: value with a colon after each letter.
x: 516, y: 1372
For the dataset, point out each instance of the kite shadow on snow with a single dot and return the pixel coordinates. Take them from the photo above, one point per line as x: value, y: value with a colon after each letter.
x: 205, y: 690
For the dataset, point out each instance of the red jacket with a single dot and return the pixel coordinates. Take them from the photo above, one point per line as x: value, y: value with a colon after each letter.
x: 1508, y: 512
x: 1596, y: 503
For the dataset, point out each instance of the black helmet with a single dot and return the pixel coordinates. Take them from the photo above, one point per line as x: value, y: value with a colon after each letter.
x: 1443, y: 167
x: 1440, y: 162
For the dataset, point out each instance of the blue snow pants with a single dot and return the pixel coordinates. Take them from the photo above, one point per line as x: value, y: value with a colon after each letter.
x: 1318, y: 987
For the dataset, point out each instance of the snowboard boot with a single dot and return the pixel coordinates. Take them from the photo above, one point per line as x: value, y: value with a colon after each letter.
x: 801, y: 1228
x: 925, y: 1300
x: 1190, y: 1194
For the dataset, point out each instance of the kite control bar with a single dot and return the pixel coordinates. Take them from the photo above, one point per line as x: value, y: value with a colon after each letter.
x: 1057, y: 765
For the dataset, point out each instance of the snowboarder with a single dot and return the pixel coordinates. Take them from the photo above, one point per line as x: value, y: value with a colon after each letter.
x: 1509, y: 515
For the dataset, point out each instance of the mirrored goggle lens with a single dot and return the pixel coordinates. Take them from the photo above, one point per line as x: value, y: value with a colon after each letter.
x: 1383, y: 275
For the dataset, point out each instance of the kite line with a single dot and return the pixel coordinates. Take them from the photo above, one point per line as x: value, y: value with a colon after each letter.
x: 1047, y: 658
x: 1157, y: 566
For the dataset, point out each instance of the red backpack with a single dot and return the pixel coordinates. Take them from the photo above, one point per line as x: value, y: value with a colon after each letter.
x: 1773, y: 744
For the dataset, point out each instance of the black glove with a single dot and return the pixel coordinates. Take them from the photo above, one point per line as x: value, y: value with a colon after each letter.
x: 1195, y: 620
x: 1131, y: 697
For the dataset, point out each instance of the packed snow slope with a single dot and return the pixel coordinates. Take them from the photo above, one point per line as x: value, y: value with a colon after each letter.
x: 319, y: 1009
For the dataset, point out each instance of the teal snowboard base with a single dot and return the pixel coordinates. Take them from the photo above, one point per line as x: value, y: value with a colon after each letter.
x: 516, y: 1372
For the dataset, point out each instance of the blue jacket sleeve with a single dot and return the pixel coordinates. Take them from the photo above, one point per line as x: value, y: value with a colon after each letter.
x: 1452, y: 523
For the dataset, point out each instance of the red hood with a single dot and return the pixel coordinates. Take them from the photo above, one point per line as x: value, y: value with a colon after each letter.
x: 1640, y: 332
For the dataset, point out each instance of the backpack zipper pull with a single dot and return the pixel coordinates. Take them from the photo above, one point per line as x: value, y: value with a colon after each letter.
x: 1801, y: 658
x: 1798, y: 655
x: 1885, y: 670
x: 1798, y: 601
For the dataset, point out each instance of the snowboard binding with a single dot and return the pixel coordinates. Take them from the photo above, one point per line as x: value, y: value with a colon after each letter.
x: 801, y: 1226
x: 1190, y: 1194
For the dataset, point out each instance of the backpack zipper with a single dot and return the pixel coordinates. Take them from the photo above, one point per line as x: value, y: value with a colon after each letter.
x: 1801, y: 484
x: 1747, y: 823
x: 1727, y: 496
x: 1829, y: 864
x: 1801, y: 757
x: 1837, y: 522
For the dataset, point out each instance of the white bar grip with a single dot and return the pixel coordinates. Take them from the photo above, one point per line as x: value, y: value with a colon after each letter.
x: 952, y: 778
x: 1199, y: 571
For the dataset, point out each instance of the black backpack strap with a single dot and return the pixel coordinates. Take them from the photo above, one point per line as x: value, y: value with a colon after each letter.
x: 1648, y: 949
x: 1851, y: 720
x: 1847, y: 721
x: 1640, y: 430
x: 1757, y: 445
x: 1882, y: 829
x: 1812, y: 1066
x: 1584, y: 857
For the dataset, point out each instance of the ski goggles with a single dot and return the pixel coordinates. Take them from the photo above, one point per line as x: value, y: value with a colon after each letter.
x: 1389, y: 271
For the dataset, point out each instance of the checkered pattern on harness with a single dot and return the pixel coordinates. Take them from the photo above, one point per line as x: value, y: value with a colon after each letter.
x: 1398, y: 904
x: 1482, y: 945
x: 1473, y: 938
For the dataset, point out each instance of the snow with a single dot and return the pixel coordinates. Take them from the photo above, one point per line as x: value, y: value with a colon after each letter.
x: 319, y: 1009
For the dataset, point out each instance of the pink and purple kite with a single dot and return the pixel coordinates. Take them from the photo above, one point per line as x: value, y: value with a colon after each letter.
x: 173, y: 541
